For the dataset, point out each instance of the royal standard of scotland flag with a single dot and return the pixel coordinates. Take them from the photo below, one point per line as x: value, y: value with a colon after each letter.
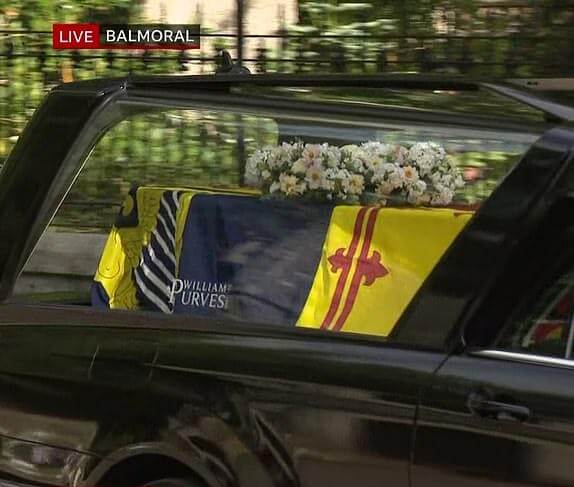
x: 373, y: 261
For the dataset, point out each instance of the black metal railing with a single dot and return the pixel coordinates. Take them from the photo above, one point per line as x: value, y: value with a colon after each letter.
x: 29, y: 66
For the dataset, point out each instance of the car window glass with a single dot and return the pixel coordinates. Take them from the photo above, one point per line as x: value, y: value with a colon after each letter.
x: 544, y: 327
x: 480, y: 102
x: 165, y: 217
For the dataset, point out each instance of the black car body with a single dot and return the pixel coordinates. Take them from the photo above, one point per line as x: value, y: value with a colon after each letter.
x: 89, y: 397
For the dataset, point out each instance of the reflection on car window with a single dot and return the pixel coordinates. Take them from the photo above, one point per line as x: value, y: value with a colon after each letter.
x: 544, y: 328
x: 168, y: 148
x: 274, y: 220
x: 471, y: 102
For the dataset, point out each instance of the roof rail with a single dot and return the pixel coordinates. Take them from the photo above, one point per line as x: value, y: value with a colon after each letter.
x: 226, y: 65
x: 554, y: 111
x: 544, y: 84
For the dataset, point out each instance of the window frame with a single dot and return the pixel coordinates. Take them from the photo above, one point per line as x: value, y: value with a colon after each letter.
x: 523, y: 358
x: 552, y: 261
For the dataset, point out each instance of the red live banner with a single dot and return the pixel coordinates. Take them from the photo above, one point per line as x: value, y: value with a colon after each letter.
x: 121, y: 36
x: 76, y: 36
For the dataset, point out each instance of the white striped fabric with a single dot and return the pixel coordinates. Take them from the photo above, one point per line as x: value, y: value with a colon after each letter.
x: 154, y: 274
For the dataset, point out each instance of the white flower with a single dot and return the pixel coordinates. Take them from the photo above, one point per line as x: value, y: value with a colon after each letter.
x: 331, y: 173
x: 287, y: 183
x: 274, y: 159
x: 253, y: 168
x: 388, y: 167
x: 385, y: 188
x: 425, y: 164
x: 350, y: 150
x: 433, y: 149
x: 288, y: 149
x: 265, y: 175
x: 418, y: 187
x: 312, y: 153
x: 438, y: 150
x: 444, y: 197
x: 416, y: 192
x: 401, y: 155
x: 343, y: 176
x: 389, y: 177
x: 371, y: 162
x: 375, y: 153
x: 356, y: 184
x: 290, y: 185
x: 378, y: 175
x: 327, y: 184
x: 332, y: 156
x: 436, y: 178
x: 396, y: 177
x: 417, y: 151
x: 299, y: 166
x: 333, y: 161
x: 378, y: 148
x: 314, y: 177
x: 355, y: 164
x: 447, y: 194
x: 410, y: 174
x: 275, y: 186
x: 422, y: 199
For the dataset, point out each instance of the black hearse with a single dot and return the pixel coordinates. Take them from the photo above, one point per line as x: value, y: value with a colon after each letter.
x: 365, y: 340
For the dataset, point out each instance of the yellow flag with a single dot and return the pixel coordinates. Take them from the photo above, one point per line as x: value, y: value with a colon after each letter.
x: 123, y: 248
x: 373, y: 262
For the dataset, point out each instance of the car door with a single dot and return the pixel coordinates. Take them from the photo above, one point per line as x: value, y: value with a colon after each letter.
x: 314, y: 410
x: 253, y: 407
x: 499, y: 411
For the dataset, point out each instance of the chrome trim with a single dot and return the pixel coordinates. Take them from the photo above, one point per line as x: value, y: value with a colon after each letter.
x: 569, y: 344
x: 544, y: 84
x: 524, y: 357
x: 549, y: 107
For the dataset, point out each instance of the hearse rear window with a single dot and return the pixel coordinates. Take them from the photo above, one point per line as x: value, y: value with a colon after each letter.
x: 275, y: 220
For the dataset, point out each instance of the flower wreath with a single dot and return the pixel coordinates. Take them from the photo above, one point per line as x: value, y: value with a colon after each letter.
x: 422, y: 174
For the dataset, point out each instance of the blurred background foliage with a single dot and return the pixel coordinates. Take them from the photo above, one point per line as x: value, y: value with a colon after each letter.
x: 479, y: 38
x: 38, y: 15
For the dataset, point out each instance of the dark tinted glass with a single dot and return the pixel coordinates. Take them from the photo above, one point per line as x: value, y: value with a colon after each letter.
x: 544, y: 327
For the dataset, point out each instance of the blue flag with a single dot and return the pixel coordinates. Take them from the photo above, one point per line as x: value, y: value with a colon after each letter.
x: 248, y: 258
